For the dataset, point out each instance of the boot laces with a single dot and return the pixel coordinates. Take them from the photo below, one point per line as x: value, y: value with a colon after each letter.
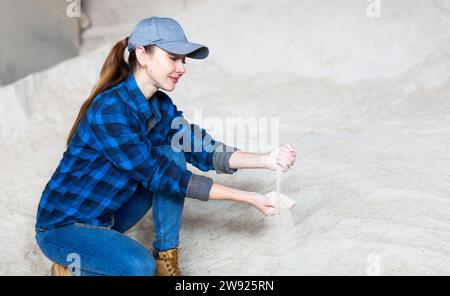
x: 175, y: 269
x: 172, y: 264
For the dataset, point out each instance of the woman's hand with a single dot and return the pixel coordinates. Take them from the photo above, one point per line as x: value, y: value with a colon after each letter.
x: 258, y: 200
x: 262, y: 203
x: 282, y: 158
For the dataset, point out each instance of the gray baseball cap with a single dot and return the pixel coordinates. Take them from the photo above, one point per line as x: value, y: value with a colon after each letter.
x: 167, y: 34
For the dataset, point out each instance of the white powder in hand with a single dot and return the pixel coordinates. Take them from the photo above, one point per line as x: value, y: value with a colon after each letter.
x: 281, y: 202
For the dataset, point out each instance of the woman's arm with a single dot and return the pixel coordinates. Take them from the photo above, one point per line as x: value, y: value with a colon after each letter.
x: 259, y: 201
x: 282, y: 158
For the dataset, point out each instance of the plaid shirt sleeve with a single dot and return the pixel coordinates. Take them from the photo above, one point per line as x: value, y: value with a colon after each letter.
x: 117, y: 136
x: 200, y: 149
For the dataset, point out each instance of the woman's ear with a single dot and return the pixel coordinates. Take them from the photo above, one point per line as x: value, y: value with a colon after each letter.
x: 140, y: 56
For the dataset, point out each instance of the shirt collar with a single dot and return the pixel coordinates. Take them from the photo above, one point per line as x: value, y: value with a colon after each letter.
x: 149, y: 109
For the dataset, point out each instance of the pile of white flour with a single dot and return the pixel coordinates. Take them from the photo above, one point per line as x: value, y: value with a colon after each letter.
x: 365, y: 101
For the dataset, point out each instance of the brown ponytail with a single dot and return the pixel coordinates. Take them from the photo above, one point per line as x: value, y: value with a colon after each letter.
x: 114, y: 70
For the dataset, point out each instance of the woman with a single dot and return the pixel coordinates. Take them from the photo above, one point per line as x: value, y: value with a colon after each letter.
x: 122, y: 158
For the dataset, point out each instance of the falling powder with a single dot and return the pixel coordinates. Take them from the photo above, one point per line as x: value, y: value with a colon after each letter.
x: 278, y: 181
x: 281, y: 202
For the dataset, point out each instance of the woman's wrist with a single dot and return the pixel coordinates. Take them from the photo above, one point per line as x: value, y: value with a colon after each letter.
x: 263, y: 160
x: 222, y: 192
x: 249, y: 197
x: 248, y: 160
x: 246, y: 196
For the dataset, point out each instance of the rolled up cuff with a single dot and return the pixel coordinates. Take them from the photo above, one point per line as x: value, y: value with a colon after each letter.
x: 199, y: 187
x: 221, y: 159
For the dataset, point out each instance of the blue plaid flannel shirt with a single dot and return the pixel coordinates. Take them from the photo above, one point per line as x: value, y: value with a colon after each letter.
x: 113, y: 150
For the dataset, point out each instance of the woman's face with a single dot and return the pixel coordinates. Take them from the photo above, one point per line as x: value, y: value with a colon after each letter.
x: 163, y: 68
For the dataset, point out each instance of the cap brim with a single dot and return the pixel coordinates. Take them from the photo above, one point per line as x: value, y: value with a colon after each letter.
x: 189, y: 49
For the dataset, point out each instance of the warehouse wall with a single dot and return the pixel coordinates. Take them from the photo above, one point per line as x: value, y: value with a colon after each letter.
x: 35, y: 34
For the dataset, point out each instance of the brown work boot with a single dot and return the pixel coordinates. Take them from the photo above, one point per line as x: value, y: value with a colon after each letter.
x: 167, y: 263
x: 59, y: 270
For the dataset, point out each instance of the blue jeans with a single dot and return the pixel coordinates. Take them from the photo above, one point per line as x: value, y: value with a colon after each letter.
x: 106, y: 251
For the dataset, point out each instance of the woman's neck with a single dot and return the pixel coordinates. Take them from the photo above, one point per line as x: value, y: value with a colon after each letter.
x: 145, y: 84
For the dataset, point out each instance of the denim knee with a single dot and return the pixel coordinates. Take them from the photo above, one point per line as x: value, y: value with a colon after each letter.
x: 139, y: 266
x: 177, y: 157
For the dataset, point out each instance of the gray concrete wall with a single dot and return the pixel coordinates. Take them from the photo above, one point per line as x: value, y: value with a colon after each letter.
x: 113, y: 12
x: 34, y: 35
